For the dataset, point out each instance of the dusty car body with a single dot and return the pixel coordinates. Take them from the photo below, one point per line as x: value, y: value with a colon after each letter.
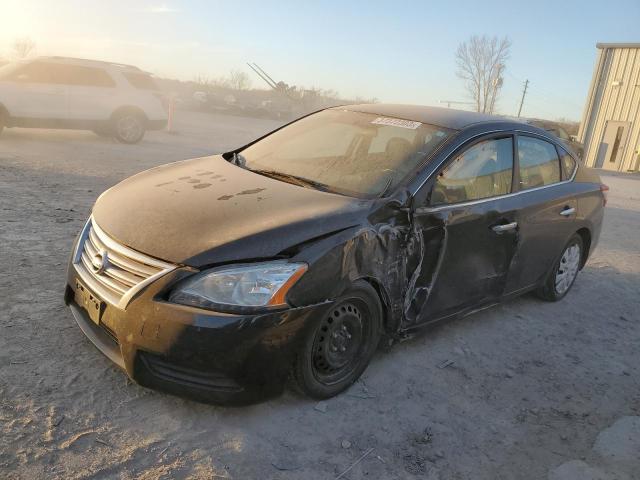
x: 419, y: 246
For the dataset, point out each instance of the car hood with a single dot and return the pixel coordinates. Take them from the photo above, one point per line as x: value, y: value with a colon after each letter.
x: 206, y: 211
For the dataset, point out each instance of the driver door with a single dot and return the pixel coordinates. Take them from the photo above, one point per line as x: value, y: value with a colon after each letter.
x: 37, y: 91
x: 469, y: 231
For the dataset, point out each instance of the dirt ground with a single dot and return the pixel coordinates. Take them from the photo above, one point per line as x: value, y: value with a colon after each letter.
x: 536, y: 390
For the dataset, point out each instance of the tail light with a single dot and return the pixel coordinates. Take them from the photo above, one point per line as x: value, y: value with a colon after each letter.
x: 604, y: 189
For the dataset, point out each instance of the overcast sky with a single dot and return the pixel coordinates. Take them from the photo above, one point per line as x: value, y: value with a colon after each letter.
x: 400, y: 52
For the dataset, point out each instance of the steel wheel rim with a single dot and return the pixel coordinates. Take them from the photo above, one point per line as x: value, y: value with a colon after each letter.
x: 568, y: 268
x: 129, y: 128
x: 340, y: 342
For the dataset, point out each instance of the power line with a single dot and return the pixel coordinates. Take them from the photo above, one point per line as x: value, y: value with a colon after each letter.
x: 546, y: 95
x: 524, y: 92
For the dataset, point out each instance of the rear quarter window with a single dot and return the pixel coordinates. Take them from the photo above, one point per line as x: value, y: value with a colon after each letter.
x: 142, y: 81
x: 569, y: 164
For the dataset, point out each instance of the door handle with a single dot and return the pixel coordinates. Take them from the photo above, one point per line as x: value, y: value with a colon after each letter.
x: 568, y: 211
x: 505, y: 227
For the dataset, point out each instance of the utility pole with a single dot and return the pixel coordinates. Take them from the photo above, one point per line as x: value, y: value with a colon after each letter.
x: 524, y: 92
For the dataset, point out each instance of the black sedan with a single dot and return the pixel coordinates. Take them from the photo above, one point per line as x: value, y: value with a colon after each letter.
x: 292, y: 257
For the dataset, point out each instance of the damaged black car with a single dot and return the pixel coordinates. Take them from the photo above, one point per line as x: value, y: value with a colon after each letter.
x: 222, y: 277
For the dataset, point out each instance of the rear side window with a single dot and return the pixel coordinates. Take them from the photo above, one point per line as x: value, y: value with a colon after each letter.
x: 483, y: 170
x: 568, y: 163
x: 539, y: 163
x: 80, y: 75
x: 141, y: 80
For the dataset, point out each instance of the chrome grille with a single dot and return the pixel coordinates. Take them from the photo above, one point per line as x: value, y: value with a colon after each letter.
x: 123, y: 273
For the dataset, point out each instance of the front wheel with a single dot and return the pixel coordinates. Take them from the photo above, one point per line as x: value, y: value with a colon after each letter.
x: 129, y: 128
x: 338, y: 347
x: 564, y: 272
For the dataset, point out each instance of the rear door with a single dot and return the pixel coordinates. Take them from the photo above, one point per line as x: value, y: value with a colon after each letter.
x: 547, y: 210
x: 92, y: 93
x: 469, y: 231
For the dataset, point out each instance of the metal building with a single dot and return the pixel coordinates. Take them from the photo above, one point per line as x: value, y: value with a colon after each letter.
x: 610, y: 127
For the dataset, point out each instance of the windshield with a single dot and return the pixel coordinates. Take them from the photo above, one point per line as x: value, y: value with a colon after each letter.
x: 352, y: 153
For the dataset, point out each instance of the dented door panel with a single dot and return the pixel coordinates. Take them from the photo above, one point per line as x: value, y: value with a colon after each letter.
x: 467, y: 262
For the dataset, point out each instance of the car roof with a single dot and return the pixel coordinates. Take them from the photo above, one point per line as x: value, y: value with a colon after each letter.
x: 442, y: 117
x: 92, y: 63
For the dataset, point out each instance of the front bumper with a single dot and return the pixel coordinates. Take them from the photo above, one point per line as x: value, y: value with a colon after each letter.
x: 209, y: 356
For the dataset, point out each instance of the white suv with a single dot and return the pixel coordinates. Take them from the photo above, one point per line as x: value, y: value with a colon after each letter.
x: 56, y: 92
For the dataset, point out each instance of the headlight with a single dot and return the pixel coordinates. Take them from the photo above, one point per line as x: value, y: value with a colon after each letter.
x: 251, y: 285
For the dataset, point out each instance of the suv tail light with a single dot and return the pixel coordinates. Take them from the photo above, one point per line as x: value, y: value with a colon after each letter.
x: 604, y: 189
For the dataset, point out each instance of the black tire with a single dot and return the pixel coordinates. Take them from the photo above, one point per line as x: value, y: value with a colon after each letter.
x: 551, y: 291
x: 337, y: 347
x: 129, y: 127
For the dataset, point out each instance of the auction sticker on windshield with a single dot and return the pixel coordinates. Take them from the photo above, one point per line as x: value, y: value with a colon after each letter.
x: 396, y: 122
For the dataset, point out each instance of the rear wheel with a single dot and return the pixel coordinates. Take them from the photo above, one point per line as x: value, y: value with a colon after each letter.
x: 338, y: 347
x: 129, y: 127
x: 564, y: 272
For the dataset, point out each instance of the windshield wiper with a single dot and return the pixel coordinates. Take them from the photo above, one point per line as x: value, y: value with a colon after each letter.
x: 294, y: 179
x: 387, y: 187
x: 238, y: 160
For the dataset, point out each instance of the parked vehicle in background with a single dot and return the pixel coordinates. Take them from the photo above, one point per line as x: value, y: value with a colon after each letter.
x: 114, y: 100
x: 297, y: 252
x: 557, y: 130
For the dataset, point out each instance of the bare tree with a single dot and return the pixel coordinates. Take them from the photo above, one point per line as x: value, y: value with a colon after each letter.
x: 481, y: 61
x: 239, y: 80
x: 23, y: 47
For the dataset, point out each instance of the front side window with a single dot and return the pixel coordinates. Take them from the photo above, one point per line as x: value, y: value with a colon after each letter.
x: 539, y: 163
x: 37, y: 72
x: 484, y: 170
x: 352, y: 153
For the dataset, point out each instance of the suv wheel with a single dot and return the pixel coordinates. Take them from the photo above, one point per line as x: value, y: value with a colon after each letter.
x: 129, y: 127
x: 338, y: 347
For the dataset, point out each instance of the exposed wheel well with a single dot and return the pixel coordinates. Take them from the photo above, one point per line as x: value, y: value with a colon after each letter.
x: 128, y: 109
x: 586, y: 240
x: 389, y: 324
